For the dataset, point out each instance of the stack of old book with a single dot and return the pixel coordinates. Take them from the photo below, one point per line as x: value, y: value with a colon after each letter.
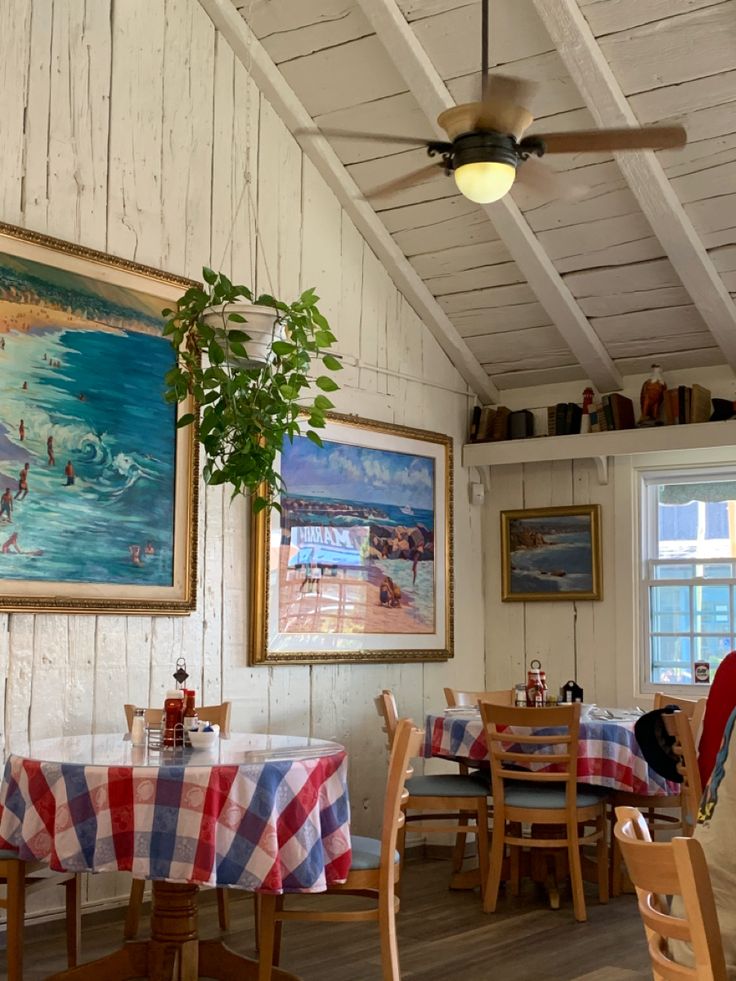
x: 685, y: 404
x: 614, y: 411
x: 491, y: 423
x: 564, y: 419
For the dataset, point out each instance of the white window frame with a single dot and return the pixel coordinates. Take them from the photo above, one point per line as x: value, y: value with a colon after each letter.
x: 648, y: 480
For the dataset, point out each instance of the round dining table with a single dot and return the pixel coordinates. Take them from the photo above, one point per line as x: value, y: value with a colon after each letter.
x: 258, y: 812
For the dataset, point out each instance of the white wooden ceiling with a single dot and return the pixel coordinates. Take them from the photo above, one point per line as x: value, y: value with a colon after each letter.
x: 610, y: 301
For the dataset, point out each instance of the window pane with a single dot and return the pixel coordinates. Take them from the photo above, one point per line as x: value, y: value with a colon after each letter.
x: 671, y: 664
x: 711, y: 609
x: 717, y: 570
x: 670, y: 606
x: 712, y: 650
x: 674, y: 572
x: 696, y: 519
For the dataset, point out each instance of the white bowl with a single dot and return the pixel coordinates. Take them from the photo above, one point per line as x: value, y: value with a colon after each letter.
x: 203, y: 740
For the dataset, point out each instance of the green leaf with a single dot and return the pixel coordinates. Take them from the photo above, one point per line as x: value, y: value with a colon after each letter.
x: 322, y: 402
x: 314, y: 438
x: 186, y: 420
x: 259, y: 504
x: 210, y: 276
x: 236, y: 318
x: 326, y: 384
x: 282, y: 348
x: 331, y: 362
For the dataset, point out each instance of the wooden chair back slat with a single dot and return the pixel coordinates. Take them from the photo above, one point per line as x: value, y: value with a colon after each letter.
x: 456, y: 698
x: 678, y: 726
x: 407, y: 743
x: 693, y: 708
x: 561, y: 727
x: 675, y: 868
x: 386, y: 707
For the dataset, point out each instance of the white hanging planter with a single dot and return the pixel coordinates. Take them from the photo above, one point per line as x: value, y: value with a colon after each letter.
x: 260, y: 324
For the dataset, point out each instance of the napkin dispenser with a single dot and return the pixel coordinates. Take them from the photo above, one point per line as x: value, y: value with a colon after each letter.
x: 571, y: 692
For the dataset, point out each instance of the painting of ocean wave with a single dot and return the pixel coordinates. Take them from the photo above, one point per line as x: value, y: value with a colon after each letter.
x: 551, y: 553
x: 88, y: 446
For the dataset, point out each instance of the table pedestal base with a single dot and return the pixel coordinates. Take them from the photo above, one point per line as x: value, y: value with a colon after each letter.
x: 174, y: 952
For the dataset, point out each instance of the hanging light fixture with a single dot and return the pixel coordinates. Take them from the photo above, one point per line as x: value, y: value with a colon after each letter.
x: 484, y: 166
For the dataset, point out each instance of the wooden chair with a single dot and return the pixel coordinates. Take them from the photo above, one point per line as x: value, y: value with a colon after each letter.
x: 456, y: 698
x: 374, y: 872
x: 20, y: 879
x: 674, y: 868
x: 442, y: 802
x: 216, y: 715
x: 670, y: 812
x: 525, y: 796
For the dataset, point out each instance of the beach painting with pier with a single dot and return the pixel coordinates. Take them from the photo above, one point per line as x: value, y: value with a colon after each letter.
x: 358, y: 564
x: 90, y: 456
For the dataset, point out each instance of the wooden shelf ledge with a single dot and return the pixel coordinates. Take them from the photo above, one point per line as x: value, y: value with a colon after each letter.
x: 599, y: 446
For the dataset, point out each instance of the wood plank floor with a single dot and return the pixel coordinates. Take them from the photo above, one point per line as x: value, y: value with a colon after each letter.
x: 442, y: 935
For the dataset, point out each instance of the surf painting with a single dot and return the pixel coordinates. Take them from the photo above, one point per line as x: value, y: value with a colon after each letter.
x: 358, y: 554
x: 96, y: 483
x: 551, y: 553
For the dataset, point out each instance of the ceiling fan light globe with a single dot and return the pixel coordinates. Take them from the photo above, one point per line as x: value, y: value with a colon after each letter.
x: 484, y: 181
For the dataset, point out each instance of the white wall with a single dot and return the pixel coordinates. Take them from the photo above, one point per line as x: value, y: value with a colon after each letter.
x: 126, y: 127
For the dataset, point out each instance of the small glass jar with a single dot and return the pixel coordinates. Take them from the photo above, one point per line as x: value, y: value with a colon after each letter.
x: 138, y: 728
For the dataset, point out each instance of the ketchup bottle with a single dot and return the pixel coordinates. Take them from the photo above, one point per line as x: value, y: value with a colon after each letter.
x: 173, y: 718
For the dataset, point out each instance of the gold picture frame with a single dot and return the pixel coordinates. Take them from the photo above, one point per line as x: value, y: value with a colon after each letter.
x: 357, y: 566
x: 105, y: 519
x: 550, y: 554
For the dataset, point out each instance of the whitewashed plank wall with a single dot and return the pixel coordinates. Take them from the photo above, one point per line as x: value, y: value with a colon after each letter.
x: 126, y: 127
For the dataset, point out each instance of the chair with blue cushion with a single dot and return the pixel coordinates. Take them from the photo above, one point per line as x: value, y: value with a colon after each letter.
x: 439, y: 803
x: 525, y: 795
x: 374, y: 871
x: 19, y: 880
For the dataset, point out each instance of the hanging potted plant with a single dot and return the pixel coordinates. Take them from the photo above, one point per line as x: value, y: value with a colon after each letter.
x: 247, y: 362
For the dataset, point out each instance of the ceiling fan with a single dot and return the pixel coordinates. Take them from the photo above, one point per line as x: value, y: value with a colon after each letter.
x: 486, y: 147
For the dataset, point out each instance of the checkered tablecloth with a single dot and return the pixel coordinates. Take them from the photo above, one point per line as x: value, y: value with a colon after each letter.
x: 608, y: 753
x: 279, y: 826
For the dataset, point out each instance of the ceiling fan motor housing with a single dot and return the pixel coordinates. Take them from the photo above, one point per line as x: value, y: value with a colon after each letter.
x: 484, y: 148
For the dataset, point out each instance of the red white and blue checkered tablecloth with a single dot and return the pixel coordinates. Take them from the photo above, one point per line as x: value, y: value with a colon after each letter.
x: 608, y: 753
x: 276, y: 826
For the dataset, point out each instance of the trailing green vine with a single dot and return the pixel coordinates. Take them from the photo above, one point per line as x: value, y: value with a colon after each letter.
x: 245, y: 411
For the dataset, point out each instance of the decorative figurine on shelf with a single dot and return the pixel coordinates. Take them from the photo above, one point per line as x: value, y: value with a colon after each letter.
x: 652, y: 396
x: 588, y: 394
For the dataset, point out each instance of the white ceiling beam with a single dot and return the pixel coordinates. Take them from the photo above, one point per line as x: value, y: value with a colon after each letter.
x: 606, y: 101
x: 251, y: 53
x: 430, y: 91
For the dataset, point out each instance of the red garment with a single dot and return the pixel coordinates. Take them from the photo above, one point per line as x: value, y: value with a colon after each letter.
x: 721, y: 703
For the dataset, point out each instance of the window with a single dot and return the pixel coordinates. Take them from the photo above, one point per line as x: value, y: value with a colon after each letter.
x: 688, y: 577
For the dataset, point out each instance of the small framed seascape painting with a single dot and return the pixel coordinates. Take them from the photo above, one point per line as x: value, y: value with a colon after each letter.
x: 357, y: 563
x: 98, y: 487
x: 551, y: 554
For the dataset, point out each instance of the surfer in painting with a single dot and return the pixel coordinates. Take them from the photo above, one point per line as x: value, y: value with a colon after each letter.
x: 11, y: 542
x: 22, y: 483
x: 6, y: 505
x: 69, y: 473
x: 50, y: 451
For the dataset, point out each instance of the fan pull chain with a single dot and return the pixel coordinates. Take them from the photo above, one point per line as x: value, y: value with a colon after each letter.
x: 484, y: 42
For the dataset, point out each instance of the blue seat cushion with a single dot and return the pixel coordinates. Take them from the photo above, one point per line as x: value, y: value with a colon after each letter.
x: 449, y: 785
x: 366, y: 853
x: 550, y: 795
x: 7, y: 853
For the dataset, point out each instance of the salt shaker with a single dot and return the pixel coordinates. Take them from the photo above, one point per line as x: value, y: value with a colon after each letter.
x: 138, y: 728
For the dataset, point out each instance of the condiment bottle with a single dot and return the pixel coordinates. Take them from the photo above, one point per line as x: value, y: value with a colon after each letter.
x: 536, y: 685
x: 520, y: 695
x: 173, y: 730
x: 138, y: 728
x: 189, y: 717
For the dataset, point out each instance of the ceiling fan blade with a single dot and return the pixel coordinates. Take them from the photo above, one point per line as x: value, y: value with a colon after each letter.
x: 546, y: 184
x: 408, y: 180
x: 349, y: 134
x: 601, y: 140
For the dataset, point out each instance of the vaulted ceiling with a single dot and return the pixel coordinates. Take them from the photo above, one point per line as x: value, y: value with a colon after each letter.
x: 640, y: 265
